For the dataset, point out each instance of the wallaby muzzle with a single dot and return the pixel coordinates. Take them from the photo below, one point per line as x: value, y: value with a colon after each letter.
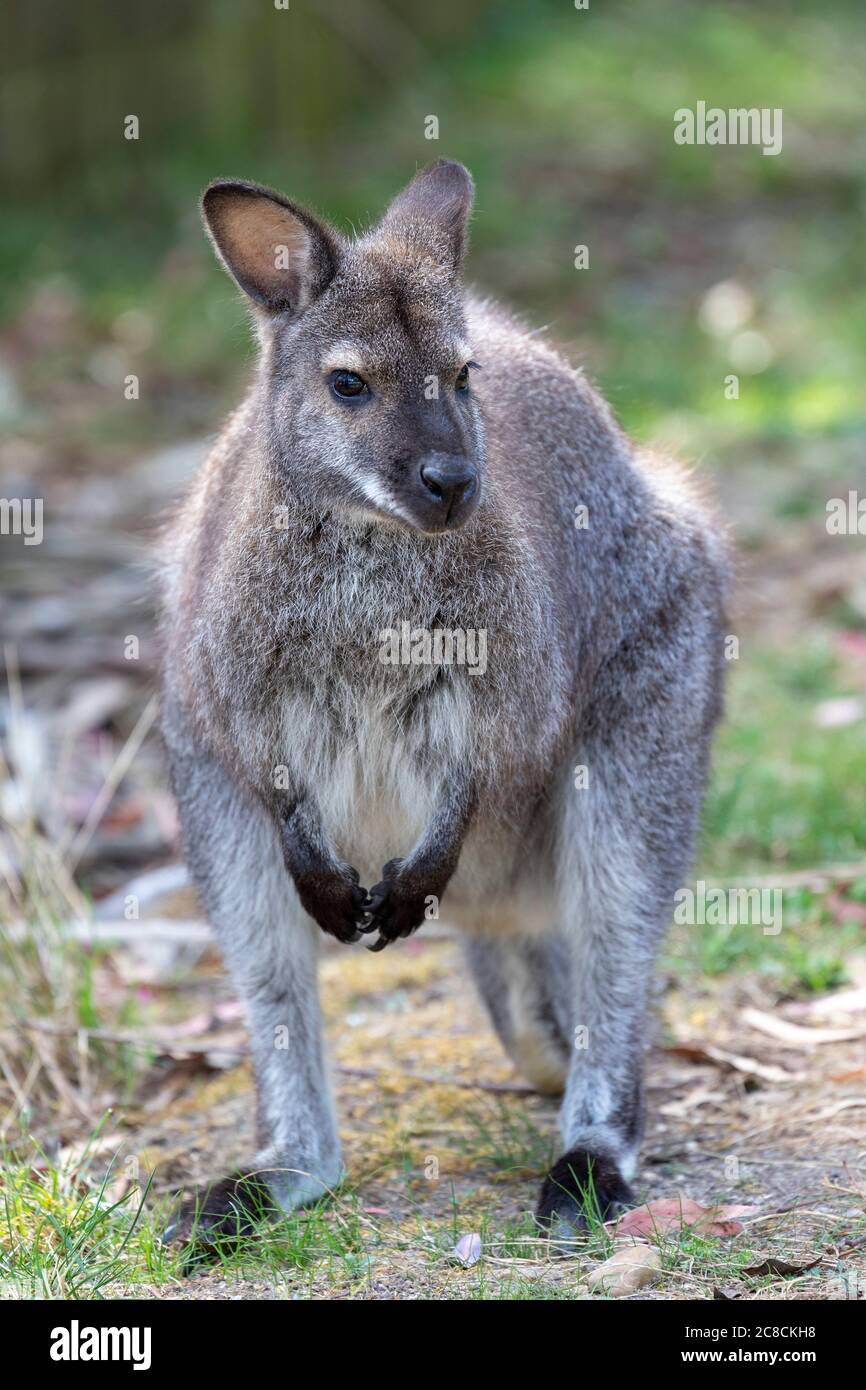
x: 444, y: 492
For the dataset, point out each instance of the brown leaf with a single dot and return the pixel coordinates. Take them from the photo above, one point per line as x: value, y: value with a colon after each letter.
x: 774, y: 1266
x: 672, y: 1213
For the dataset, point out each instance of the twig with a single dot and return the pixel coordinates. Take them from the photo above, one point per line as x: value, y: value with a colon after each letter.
x: 148, y: 1042
x: 20, y: 1092
x: 55, y: 1075
x: 116, y: 774
x: 172, y: 1047
x: 148, y: 929
x: 516, y: 1088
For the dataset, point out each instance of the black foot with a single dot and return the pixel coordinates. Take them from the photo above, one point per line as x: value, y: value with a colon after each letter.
x: 223, y: 1214
x: 581, y: 1190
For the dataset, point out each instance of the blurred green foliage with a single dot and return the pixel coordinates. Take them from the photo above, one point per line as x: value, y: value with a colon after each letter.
x: 564, y: 116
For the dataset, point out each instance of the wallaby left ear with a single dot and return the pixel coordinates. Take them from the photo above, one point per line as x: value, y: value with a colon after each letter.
x: 435, y: 208
x: 281, y: 255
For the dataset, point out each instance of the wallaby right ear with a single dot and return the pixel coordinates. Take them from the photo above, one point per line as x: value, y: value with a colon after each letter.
x: 279, y: 254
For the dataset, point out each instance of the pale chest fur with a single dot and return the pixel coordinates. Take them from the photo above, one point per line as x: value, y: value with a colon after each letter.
x: 377, y: 760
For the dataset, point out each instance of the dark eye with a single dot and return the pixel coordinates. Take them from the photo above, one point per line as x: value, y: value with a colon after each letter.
x: 462, y: 379
x: 348, y: 384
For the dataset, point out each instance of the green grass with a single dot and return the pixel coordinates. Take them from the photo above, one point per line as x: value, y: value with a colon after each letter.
x: 63, y: 1236
x: 784, y: 793
x: 806, y: 957
x: 503, y: 1138
x: 331, y: 1236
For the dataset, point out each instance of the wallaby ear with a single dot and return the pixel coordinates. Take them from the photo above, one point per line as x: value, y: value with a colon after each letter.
x: 280, y: 255
x: 435, y: 208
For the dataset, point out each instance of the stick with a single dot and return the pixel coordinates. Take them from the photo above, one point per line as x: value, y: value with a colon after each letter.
x: 515, y: 1088
x: 116, y: 774
x: 172, y: 1047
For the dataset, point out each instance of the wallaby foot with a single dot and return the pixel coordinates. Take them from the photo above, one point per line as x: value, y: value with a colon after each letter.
x: 225, y: 1211
x: 582, y: 1188
x: 235, y: 1207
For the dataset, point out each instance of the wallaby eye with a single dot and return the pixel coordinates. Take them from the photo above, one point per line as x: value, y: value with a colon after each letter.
x: 462, y: 379
x: 348, y: 384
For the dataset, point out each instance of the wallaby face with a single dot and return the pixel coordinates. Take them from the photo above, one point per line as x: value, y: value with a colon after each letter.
x: 366, y: 387
x: 548, y: 800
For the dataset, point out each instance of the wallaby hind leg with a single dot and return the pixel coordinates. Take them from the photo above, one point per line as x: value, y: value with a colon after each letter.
x: 270, y: 946
x: 624, y: 846
x: 524, y: 984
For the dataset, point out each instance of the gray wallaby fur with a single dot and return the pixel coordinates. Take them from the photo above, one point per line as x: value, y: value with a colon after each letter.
x: 375, y: 489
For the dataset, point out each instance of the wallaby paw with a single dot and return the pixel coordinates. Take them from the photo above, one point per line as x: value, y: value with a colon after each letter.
x: 396, y: 906
x: 223, y: 1214
x: 581, y: 1190
x: 336, y: 901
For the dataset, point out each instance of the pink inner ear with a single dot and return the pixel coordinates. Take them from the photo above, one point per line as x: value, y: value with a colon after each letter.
x: 267, y: 249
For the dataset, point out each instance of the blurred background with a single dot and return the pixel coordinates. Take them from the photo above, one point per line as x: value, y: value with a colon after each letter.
x: 704, y: 262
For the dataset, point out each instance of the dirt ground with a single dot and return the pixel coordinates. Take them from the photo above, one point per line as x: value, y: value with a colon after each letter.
x: 439, y: 1133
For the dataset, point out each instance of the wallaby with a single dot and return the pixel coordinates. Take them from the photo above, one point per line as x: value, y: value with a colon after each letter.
x: 411, y: 460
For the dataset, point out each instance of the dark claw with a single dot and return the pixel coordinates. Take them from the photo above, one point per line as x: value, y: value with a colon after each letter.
x: 395, y: 906
x: 369, y: 922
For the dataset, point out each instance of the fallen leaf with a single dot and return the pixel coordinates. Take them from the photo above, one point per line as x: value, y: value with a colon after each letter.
x: 201, y: 1023
x: 672, y: 1213
x: 627, y: 1271
x: 775, y: 1266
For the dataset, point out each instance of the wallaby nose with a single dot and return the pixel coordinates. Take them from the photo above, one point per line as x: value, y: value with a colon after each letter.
x: 450, y: 480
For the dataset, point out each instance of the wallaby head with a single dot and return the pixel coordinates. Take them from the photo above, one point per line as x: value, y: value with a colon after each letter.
x: 365, y: 404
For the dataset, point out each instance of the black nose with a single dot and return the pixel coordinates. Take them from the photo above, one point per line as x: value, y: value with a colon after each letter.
x: 450, y: 480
